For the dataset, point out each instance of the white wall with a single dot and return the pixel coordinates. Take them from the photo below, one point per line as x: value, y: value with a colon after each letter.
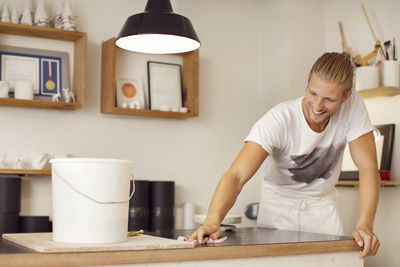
x: 291, y: 40
x: 254, y: 54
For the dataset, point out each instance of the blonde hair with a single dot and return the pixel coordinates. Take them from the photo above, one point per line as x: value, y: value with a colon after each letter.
x: 334, y: 67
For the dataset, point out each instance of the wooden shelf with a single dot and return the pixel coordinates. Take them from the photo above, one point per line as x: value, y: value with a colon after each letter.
x: 148, y: 112
x: 190, y: 82
x: 79, y: 68
x: 380, y: 91
x: 38, y: 104
x: 357, y: 183
x: 25, y: 172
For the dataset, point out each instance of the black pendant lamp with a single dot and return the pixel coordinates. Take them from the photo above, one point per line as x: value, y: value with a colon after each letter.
x: 158, y: 31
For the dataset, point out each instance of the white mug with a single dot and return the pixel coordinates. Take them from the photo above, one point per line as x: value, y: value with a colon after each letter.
x: 165, y: 108
x: 391, y: 75
x: 367, y: 77
x: 4, y: 89
x: 23, y: 90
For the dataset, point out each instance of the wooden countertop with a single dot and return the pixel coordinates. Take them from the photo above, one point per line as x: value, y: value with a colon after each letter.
x: 241, y: 243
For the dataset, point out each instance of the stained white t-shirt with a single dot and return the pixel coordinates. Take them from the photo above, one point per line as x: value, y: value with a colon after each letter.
x: 303, y: 162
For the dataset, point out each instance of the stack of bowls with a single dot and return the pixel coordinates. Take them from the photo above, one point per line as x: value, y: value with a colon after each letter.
x: 10, y: 203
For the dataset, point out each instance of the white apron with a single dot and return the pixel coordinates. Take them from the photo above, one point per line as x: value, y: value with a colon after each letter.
x: 306, y: 214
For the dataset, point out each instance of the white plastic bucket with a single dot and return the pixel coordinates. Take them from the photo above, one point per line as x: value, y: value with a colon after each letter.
x: 90, y: 200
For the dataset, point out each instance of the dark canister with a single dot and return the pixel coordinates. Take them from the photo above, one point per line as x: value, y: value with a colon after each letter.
x: 10, y: 203
x: 139, y: 207
x: 9, y: 222
x: 162, y: 205
x: 10, y: 193
x: 35, y: 224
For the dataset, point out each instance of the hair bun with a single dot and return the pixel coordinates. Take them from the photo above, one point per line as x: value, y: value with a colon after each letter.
x: 346, y: 55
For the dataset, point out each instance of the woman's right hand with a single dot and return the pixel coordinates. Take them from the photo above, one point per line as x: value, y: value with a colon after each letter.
x: 212, y: 231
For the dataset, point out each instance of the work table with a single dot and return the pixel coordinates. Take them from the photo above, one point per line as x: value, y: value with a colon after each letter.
x: 241, y: 243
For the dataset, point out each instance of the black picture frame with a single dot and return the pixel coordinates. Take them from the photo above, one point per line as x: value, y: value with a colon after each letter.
x: 387, y: 130
x: 154, y: 81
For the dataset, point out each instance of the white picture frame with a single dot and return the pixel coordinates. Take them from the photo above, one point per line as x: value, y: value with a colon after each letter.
x: 130, y: 93
x: 16, y: 68
x: 165, y: 85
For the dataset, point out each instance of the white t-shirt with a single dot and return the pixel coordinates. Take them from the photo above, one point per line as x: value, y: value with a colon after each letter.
x: 303, y: 162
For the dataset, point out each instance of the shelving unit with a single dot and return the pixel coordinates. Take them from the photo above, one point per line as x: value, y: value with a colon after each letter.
x: 79, y: 68
x: 25, y: 172
x: 370, y: 93
x: 357, y: 183
x: 38, y: 104
x: 380, y: 91
x: 190, y: 82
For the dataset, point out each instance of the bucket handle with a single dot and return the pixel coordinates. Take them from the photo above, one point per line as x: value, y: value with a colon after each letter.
x: 92, y: 199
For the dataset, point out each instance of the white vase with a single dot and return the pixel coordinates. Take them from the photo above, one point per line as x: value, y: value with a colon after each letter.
x: 28, y: 4
x: 14, y: 16
x: 57, y: 20
x: 41, y: 18
x: 68, y: 20
x: 5, y: 14
x: 26, y: 18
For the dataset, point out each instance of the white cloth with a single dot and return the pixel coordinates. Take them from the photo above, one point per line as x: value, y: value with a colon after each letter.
x: 306, y: 214
x: 303, y: 162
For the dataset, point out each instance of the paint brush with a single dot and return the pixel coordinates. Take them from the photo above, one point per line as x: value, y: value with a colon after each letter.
x: 372, y: 31
x: 394, y: 49
x: 387, y: 46
x: 344, y: 43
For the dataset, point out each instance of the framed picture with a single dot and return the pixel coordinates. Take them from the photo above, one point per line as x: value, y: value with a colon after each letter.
x: 384, y: 139
x: 165, y: 85
x: 130, y: 93
x: 51, y: 76
x: 20, y: 67
x: 48, y: 70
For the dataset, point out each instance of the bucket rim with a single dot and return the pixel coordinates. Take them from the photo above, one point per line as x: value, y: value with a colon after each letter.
x: 100, y: 160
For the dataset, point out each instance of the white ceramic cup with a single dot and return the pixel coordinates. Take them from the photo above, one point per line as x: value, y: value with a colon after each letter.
x: 367, y: 77
x: 183, y: 110
x: 391, y: 75
x: 165, y: 108
x: 23, y: 90
x: 132, y: 105
x: 138, y: 105
x: 4, y: 89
